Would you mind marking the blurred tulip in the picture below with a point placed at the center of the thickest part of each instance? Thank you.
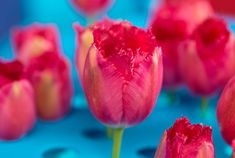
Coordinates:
(32, 41)
(50, 77)
(226, 110)
(17, 108)
(84, 42)
(91, 7)
(207, 58)
(122, 76)
(185, 140)
(172, 24)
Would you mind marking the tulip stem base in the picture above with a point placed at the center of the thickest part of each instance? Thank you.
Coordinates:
(204, 105)
(90, 20)
(117, 141)
(109, 132)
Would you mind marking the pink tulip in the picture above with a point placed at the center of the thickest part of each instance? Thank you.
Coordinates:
(225, 112)
(185, 140)
(122, 74)
(91, 7)
(207, 58)
(17, 108)
(50, 77)
(84, 42)
(34, 40)
(171, 25)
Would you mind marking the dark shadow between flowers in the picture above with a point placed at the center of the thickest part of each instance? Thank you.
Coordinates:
(147, 152)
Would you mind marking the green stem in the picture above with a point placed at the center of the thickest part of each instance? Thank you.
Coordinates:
(171, 96)
(109, 132)
(204, 105)
(90, 20)
(117, 141)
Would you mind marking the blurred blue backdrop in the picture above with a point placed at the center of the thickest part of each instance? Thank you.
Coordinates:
(79, 134)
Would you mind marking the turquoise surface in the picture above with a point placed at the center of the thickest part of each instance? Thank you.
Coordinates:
(79, 134)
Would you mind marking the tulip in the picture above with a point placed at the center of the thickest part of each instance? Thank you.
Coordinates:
(84, 42)
(122, 76)
(171, 25)
(17, 107)
(185, 140)
(207, 58)
(32, 41)
(90, 8)
(51, 80)
(225, 112)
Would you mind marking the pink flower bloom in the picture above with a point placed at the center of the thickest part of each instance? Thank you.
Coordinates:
(84, 42)
(90, 7)
(207, 58)
(225, 112)
(50, 77)
(122, 74)
(185, 140)
(34, 40)
(17, 108)
(172, 24)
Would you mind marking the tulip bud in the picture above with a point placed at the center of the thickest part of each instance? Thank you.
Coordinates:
(17, 108)
(226, 110)
(171, 25)
(184, 140)
(210, 53)
(122, 74)
(91, 7)
(34, 40)
(50, 77)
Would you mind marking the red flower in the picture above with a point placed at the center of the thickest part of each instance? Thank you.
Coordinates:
(207, 58)
(17, 108)
(185, 140)
(84, 42)
(122, 74)
(35, 40)
(172, 24)
(50, 77)
(225, 112)
(90, 7)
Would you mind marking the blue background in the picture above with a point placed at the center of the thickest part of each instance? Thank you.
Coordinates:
(79, 134)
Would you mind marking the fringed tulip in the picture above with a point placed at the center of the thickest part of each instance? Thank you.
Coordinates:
(226, 110)
(50, 77)
(185, 140)
(122, 76)
(17, 106)
(84, 42)
(207, 58)
(32, 41)
(172, 24)
(91, 7)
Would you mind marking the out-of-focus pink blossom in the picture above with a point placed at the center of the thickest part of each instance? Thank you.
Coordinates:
(207, 58)
(34, 40)
(51, 80)
(225, 112)
(17, 104)
(91, 7)
(171, 25)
